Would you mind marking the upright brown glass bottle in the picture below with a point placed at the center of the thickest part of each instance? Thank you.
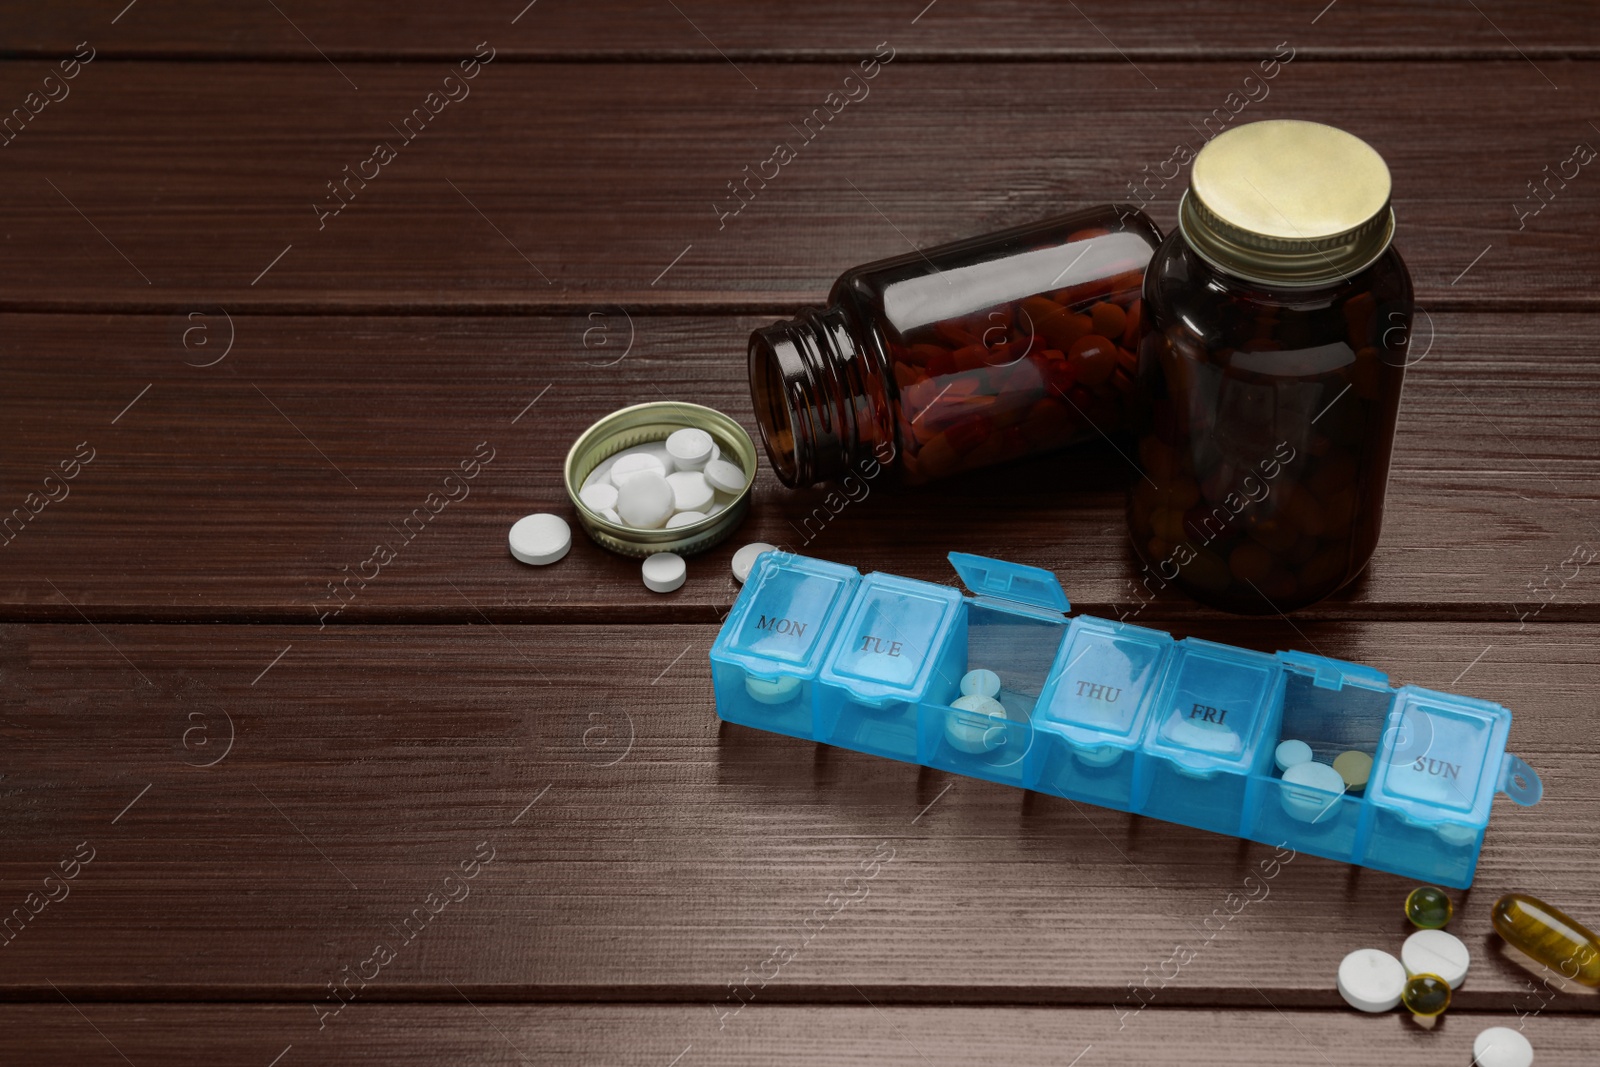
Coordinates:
(1275, 339)
(953, 358)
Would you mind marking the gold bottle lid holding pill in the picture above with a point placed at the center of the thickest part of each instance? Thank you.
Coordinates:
(1285, 202)
(644, 424)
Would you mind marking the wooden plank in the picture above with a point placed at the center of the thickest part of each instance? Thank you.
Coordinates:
(639, 851)
(210, 1034)
(220, 492)
(507, 200)
(708, 30)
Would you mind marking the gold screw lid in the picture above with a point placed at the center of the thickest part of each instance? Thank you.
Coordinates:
(1288, 202)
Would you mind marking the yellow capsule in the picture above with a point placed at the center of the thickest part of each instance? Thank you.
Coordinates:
(1550, 936)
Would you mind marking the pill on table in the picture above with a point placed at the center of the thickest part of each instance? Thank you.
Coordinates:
(1428, 908)
(1436, 952)
(684, 518)
(540, 539)
(1426, 995)
(745, 558)
(1501, 1046)
(779, 691)
(1549, 935)
(664, 572)
(610, 515)
(725, 476)
(599, 496)
(690, 448)
(1371, 980)
(1319, 790)
(983, 683)
(1291, 752)
(1354, 767)
(690, 491)
(645, 500)
(976, 724)
(633, 463)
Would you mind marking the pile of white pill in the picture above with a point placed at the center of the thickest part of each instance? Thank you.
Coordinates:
(977, 721)
(665, 484)
(1349, 771)
(659, 486)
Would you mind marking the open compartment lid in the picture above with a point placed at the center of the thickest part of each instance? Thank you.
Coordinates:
(1015, 582)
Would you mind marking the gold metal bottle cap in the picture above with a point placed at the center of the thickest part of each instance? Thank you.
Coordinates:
(1289, 203)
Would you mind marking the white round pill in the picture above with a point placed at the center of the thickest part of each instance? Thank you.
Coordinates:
(1289, 753)
(633, 463)
(599, 496)
(540, 539)
(1098, 755)
(690, 491)
(976, 724)
(983, 683)
(779, 691)
(645, 500)
(664, 572)
(745, 558)
(610, 515)
(1501, 1046)
(1314, 802)
(1371, 980)
(684, 518)
(1436, 952)
(725, 476)
(690, 448)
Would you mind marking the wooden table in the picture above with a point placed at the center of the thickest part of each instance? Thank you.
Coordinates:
(253, 388)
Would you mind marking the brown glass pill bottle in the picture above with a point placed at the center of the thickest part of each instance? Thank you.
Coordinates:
(1273, 347)
(972, 353)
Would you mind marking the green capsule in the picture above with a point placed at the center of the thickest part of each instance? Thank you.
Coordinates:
(1428, 908)
(1426, 995)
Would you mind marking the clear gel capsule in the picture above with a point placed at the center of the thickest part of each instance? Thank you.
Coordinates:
(1550, 936)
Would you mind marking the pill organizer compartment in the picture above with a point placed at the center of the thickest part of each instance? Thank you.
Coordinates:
(902, 642)
(1217, 706)
(765, 660)
(1092, 713)
(1440, 764)
(1014, 625)
(1334, 707)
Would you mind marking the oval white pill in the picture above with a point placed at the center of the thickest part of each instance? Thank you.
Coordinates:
(540, 539)
(780, 691)
(1501, 1046)
(645, 500)
(976, 724)
(1289, 753)
(633, 463)
(1317, 802)
(1436, 952)
(690, 448)
(599, 496)
(684, 518)
(745, 558)
(1371, 980)
(983, 683)
(725, 476)
(664, 572)
(690, 491)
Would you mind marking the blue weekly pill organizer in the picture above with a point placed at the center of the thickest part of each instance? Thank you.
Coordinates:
(1114, 714)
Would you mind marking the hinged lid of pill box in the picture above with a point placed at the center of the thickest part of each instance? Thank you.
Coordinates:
(1335, 673)
(1442, 758)
(784, 619)
(1014, 583)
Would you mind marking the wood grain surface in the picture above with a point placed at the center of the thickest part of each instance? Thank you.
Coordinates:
(514, 779)
(642, 850)
(238, 491)
(859, 1035)
(554, 185)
